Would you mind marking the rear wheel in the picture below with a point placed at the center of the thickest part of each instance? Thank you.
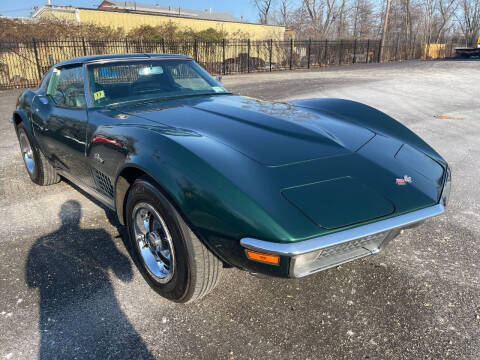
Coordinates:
(170, 257)
(38, 167)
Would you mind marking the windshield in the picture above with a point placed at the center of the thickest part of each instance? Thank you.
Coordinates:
(125, 81)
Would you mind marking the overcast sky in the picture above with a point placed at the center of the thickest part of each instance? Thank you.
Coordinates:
(237, 8)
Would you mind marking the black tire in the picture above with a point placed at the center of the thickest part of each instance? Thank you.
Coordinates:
(42, 172)
(196, 269)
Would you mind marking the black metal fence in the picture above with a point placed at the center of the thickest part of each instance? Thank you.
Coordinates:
(23, 63)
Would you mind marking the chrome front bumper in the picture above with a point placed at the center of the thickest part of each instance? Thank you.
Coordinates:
(320, 253)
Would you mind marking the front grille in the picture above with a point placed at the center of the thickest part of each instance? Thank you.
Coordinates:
(341, 253)
(369, 243)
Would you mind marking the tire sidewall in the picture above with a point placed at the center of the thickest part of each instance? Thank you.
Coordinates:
(36, 158)
(177, 288)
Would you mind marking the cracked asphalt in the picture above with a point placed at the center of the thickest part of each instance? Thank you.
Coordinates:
(68, 289)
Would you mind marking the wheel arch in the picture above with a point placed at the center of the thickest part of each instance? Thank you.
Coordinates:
(125, 179)
(20, 117)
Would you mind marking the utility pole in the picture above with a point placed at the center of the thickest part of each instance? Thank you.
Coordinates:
(384, 33)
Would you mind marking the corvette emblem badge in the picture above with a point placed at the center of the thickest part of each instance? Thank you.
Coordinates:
(403, 181)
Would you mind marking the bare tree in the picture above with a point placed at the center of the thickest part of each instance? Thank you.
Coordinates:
(447, 9)
(321, 14)
(412, 26)
(285, 12)
(263, 9)
(385, 28)
(361, 19)
(408, 25)
(469, 19)
(341, 20)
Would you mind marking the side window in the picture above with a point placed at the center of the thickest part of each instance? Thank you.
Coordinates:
(65, 87)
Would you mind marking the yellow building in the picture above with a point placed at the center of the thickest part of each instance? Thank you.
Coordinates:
(128, 15)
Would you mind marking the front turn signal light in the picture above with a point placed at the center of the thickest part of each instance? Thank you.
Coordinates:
(262, 257)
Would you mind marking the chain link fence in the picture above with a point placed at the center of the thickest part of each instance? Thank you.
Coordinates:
(23, 63)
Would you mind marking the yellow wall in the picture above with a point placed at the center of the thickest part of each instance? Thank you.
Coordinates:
(129, 21)
(434, 51)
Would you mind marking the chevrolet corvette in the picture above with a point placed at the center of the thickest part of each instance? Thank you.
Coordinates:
(204, 179)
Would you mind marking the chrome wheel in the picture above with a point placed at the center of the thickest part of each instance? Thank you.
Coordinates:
(154, 242)
(27, 151)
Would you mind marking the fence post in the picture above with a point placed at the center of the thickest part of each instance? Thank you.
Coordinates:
(223, 57)
(325, 54)
(340, 51)
(84, 47)
(271, 51)
(354, 60)
(379, 52)
(126, 45)
(291, 53)
(309, 52)
(195, 50)
(163, 45)
(39, 70)
(248, 55)
(368, 49)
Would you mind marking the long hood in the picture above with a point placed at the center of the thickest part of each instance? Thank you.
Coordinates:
(329, 168)
(273, 134)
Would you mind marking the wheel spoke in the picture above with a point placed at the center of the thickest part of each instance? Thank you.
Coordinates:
(146, 225)
(154, 242)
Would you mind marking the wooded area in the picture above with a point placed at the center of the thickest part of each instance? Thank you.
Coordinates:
(410, 21)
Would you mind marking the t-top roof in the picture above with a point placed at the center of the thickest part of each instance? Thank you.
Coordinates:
(112, 57)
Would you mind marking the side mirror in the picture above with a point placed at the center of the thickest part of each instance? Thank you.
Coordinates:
(219, 78)
(43, 99)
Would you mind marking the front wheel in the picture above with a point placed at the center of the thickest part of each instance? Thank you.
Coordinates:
(38, 167)
(173, 261)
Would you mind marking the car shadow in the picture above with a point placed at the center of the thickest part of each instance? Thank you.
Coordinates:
(71, 269)
(109, 214)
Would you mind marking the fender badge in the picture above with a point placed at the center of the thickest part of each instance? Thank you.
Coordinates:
(403, 181)
(98, 158)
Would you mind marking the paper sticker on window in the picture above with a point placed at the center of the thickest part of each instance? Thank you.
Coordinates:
(218, 89)
(99, 95)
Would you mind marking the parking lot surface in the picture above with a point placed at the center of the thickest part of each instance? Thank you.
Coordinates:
(69, 290)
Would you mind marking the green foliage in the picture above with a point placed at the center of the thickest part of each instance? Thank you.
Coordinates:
(14, 30)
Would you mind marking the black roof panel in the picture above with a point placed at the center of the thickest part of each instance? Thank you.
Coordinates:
(95, 58)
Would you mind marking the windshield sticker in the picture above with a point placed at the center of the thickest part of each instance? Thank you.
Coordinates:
(99, 95)
(218, 89)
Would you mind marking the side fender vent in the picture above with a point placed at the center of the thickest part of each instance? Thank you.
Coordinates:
(103, 182)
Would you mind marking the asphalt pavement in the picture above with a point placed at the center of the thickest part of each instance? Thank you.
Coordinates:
(69, 290)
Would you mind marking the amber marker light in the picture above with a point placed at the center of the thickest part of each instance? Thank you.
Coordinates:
(265, 258)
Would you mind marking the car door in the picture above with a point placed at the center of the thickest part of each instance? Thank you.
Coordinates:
(60, 121)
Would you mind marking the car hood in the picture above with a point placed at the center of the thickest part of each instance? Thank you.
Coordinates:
(273, 134)
(331, 169)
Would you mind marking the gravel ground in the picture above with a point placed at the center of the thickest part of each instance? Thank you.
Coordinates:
(69, 290)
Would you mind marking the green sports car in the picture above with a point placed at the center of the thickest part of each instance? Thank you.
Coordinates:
(205, 179)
